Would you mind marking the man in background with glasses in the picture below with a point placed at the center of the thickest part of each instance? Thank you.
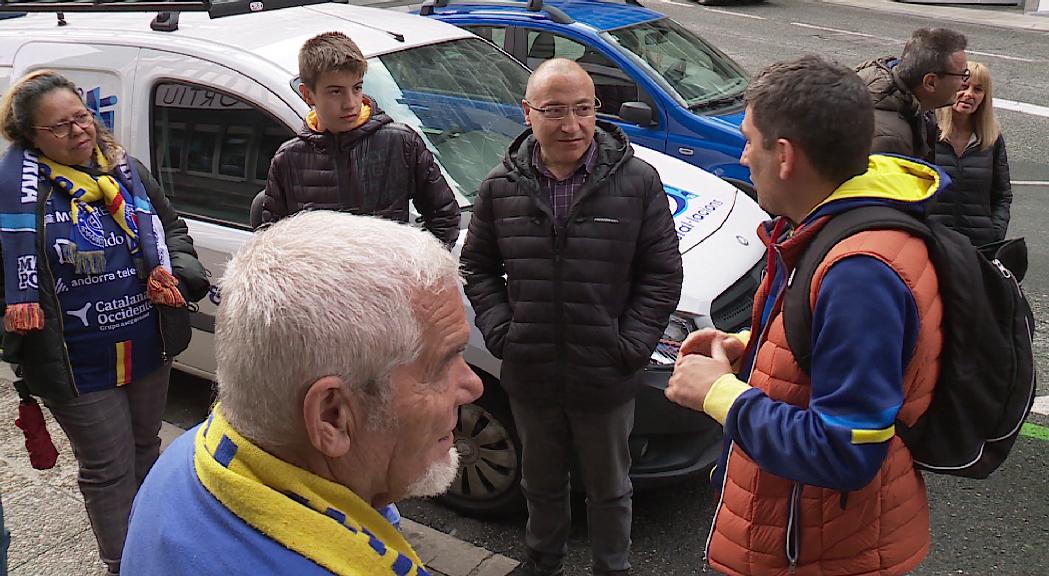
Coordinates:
(572, 267)
(907, 89)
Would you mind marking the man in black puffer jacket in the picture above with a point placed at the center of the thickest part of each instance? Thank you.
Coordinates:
(352, 157)
(573, 270)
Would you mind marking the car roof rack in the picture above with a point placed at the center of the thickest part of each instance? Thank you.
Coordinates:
(167, 11)
(555, 14)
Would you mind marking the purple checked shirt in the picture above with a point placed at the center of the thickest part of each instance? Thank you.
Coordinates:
(563, 191)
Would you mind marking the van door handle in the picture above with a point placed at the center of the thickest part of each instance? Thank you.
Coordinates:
(685, 151)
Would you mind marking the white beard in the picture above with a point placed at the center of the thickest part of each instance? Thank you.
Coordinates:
(437, 477)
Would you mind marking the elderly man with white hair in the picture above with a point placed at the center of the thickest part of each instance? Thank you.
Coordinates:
(340, 374)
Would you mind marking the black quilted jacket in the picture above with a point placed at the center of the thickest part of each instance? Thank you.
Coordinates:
(582, 305)
(978, 199)
(374, 169)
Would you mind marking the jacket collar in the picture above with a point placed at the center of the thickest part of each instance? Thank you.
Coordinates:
(904, 183)
(613, 150)
(324, 140)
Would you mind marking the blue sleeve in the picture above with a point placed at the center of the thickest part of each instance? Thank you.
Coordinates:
(864, 330)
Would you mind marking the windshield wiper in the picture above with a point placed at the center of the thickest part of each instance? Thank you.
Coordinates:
(716, 102)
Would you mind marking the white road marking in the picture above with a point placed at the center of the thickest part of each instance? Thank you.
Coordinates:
(1041, 405)
(1002, 56)
(898, 41)
(840, 31)
(1024, 107)
(1030, 182)
(731, 13)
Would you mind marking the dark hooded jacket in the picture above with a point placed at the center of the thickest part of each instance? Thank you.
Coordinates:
(977, 201)
(575, 309)
(374, 169)
(900, 127)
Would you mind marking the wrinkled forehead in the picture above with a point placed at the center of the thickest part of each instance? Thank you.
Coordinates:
(562, 88)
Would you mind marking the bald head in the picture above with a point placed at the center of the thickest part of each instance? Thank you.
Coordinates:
(556, 70)
(559, 105)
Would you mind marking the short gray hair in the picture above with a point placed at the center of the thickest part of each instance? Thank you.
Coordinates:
(928, 51)
(320, 294)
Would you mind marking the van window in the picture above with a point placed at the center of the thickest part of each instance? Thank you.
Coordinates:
(211, 150)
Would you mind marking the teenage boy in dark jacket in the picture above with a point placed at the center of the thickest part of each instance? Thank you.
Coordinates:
(350, 156)
(573, 270)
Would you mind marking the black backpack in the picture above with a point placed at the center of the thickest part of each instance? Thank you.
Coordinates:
(987, 377)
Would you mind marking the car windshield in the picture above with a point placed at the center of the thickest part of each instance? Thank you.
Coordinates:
(463, 96)
(699, 75)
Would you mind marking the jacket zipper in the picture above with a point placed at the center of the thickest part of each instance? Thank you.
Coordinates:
(728, 456)
(45, 268)
(793, 543)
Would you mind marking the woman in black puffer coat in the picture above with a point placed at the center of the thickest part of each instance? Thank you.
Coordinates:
(972, 152)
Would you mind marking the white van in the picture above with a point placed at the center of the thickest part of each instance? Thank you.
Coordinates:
(206, 102)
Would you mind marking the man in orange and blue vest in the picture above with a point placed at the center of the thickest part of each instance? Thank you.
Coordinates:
(813, 479)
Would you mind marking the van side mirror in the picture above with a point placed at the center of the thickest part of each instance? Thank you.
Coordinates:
(636, 113)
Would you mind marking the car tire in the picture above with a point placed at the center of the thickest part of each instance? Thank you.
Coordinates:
(489, 478)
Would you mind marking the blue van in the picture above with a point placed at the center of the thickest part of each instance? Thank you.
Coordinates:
(668, 89)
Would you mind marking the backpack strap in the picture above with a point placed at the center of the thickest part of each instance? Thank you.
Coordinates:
(797, 307)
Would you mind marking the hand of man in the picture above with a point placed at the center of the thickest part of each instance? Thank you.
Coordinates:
(699, 342)
(694, 374)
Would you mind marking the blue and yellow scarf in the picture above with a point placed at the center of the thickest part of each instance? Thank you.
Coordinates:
(21, 173)
(314, 517)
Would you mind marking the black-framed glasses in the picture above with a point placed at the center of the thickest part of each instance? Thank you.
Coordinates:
(964, 75)
(82, 119)
(560, 111)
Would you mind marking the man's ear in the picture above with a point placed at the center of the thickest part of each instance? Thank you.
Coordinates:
(929, 82)
(786, 156)
(328, 417)
(526, 108)
(307, 94)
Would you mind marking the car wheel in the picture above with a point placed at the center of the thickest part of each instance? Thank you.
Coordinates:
(489, 479)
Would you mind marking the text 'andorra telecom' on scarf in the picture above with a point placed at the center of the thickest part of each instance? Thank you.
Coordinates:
(21, 219)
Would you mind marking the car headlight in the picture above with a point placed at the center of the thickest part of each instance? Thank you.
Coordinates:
(680, 326)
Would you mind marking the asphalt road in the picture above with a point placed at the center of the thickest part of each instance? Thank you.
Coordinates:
(997, 526)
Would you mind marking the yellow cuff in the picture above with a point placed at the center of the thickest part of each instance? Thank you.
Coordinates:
(722, 395)
(744, 337)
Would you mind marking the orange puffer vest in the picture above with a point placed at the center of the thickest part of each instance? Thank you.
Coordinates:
(763, 521)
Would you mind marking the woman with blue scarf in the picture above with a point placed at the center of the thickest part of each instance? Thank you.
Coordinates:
(98, 268)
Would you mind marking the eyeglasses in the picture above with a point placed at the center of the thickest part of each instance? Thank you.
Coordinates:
(964, 75)
(82, 119)
(560, 111)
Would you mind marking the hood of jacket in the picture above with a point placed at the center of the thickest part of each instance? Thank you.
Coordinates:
(903, 183)
(613, 150)
(887, 91)
(375, 120)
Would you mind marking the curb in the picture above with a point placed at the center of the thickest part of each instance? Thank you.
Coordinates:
(952, 13)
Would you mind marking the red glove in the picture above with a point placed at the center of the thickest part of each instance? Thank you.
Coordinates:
(42, 452)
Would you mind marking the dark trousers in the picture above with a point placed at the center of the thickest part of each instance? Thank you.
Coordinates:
(114, 434)
(552, 437)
